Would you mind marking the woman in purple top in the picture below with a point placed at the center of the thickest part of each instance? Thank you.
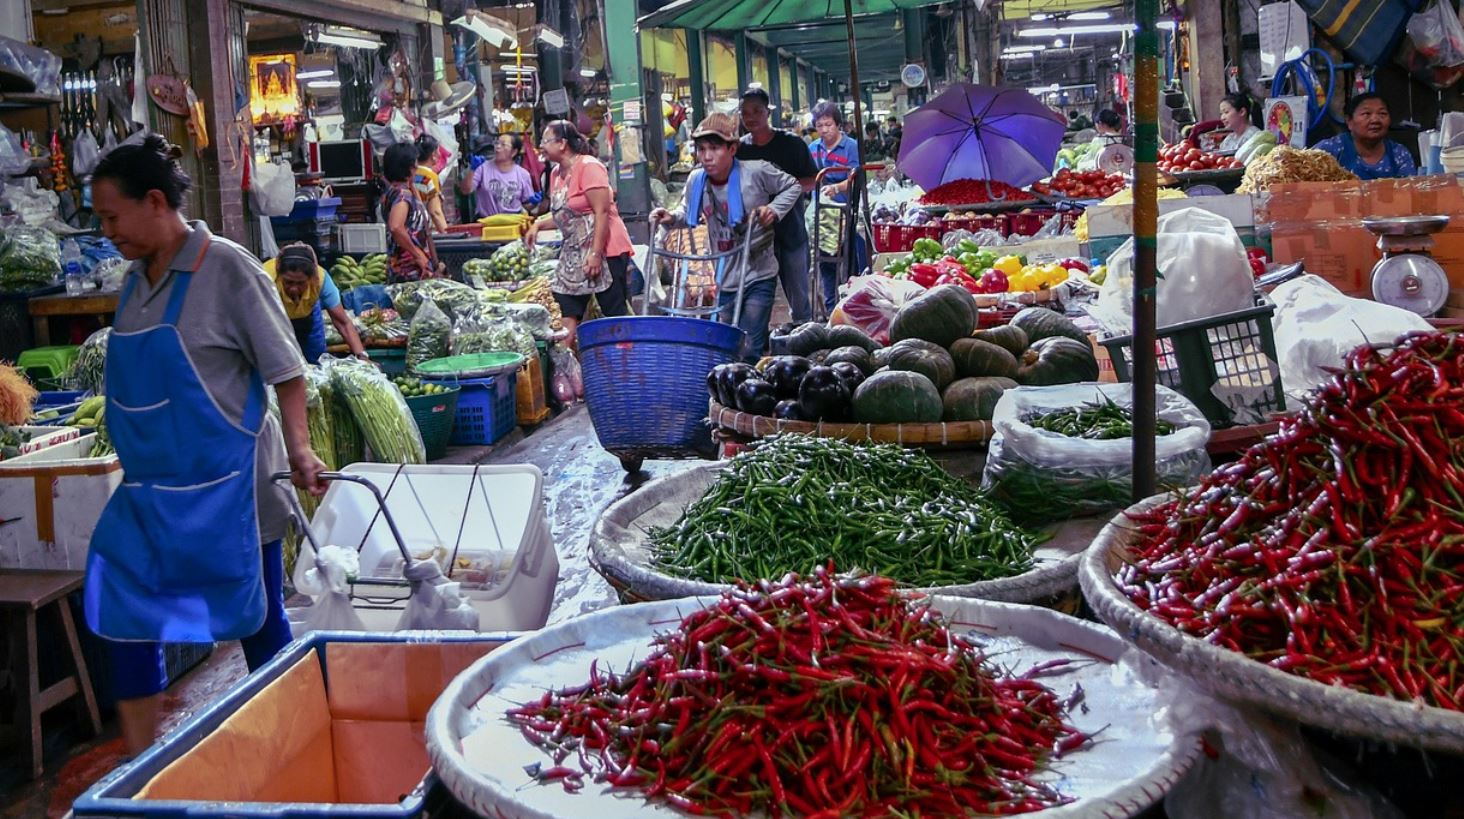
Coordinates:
(501, 185)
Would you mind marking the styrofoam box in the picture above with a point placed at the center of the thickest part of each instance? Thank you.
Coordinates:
(1118, 220)
(365, 238)
(505, 560)
(55, 496)
(42, 437)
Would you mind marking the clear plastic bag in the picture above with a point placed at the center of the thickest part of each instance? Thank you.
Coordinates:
(568, 381)
(872, 303)
(88, 372)
(1437, 37)
(37, 65)
(14, 161)
(430, 336)
(455, 298)
(85, 154)
(1043, 476)
(326, 578)
(30, 257)
(380, 411)
(489, 334)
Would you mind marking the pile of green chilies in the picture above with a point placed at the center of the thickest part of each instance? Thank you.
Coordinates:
(1094, 421)
(796, 502)
(826, 697)
(1334, 549)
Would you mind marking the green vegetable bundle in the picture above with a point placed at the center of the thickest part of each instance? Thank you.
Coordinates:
(11, 440)
(102, 445)
(29, 258)
(1095, 421)
(380, 411)
(454, 298)
(347, 443)
(88, 373)
(317, 416)
(795, 502)
(430, 336)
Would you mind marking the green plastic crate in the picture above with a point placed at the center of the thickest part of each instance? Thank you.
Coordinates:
(391, 360)
(45, 366)
(434, 416)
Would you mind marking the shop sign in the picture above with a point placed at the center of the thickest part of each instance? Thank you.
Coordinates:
(556, 101)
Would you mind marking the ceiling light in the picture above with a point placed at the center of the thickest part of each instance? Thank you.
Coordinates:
(1042, 89)
(516, 69)
(323, 84)
(1023, 49)
(1053, 31)
(550, 37)
(1058, 43)
(588, 72)
(1039, 17)
(347, 41)
(1089, 15)
(316, 74)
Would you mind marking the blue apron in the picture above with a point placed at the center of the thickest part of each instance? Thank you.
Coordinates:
(176, 555)
(1352, 161)
(310, 334)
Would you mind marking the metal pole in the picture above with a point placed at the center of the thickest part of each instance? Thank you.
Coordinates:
(1146, 223)
(854, 70)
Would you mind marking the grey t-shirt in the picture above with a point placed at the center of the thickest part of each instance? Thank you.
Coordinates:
(762, 184)
(232, 324)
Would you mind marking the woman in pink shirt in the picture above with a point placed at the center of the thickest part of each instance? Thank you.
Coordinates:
(596, 251)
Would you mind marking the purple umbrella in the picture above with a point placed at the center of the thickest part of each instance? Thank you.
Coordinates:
(979, 132)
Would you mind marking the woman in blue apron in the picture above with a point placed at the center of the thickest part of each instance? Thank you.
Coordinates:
(309, 295)
(188, 548)
(1365, 148)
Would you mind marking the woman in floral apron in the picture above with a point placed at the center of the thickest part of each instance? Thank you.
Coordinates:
(596, 252)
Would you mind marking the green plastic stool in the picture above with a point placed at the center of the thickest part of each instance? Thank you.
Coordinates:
(44, 366)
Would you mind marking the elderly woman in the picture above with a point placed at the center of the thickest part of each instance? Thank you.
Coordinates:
(1365, 149)
(596, 253)
(309, 295)
(188, 548)
(410, 253)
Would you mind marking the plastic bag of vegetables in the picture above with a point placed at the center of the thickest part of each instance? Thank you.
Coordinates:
(430, 336)
(317, 416)
(379, 410)
(88, 373)
(532, 317)
(1068, 450)
(29, 258)
(450, 296)
(488, 334)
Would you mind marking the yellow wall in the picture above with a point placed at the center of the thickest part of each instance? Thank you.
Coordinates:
(721, 69)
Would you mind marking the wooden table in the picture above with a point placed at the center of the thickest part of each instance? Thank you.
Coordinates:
(43, 308)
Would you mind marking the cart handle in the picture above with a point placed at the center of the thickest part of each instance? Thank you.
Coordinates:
(349, 478)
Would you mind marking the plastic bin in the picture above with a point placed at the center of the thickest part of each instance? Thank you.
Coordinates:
(531, 404)
(456, 253)
(330, 728)
(366, 238)
(45, 366)
(486, 409)
(55, 497)
(392, 360)
(505, 554)
(434, 415)
(363, 297)
(894, 238)
(323, 208)
(1236, 351)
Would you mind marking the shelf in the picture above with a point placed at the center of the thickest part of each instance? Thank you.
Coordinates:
(13, 101)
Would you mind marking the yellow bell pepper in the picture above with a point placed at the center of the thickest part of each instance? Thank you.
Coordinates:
(1010, 265)
(1051, 275)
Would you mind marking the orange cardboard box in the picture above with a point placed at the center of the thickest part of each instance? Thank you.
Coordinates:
(1320, 224)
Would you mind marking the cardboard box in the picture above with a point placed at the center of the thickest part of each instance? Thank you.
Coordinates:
(1320, 224)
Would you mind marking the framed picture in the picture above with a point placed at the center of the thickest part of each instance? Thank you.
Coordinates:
(274, 91)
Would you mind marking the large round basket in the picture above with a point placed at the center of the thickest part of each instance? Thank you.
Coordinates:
(620, 549)
(481, 757)
(1240, 679)
(954, 435)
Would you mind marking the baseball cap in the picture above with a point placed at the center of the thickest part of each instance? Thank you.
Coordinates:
(719, 125)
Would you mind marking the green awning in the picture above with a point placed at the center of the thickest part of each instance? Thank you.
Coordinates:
(752, 15)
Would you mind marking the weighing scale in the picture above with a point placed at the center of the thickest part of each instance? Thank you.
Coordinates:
(1116, 158)
(1407, 276)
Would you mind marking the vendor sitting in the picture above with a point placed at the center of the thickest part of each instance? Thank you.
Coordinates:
(1366, 150)
(306, 288)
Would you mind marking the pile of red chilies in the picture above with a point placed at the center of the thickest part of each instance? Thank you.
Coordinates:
(1334, 549)
(974, 192)
(826, 697)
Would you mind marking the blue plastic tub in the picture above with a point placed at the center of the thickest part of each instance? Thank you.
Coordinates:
(645, 382)
(487, 408)
(323, 209)
(364, 297)
(351, 706)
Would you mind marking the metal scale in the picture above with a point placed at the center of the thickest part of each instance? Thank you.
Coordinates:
(1407, 276)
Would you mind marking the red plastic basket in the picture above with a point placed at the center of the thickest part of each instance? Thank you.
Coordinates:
(1028, 223)
(893, 238)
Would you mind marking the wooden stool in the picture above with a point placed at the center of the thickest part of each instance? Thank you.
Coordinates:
(23, 594)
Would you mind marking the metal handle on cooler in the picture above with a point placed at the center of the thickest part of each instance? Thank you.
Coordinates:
(349, 478)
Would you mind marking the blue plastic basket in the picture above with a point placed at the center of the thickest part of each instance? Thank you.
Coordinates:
(645, 382)
(116, 794)
(366, 296)
(486, 408)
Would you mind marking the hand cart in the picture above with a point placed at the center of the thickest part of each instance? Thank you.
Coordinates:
(645, 376)
(843, 257)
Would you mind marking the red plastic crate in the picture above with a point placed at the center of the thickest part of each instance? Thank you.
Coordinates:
(1027, 224)
(892, 238)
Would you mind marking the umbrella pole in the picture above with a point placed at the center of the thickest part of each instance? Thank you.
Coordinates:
(1146, 223)
(856, 190)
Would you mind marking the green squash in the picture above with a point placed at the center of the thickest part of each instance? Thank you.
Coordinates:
(844, 335)
(931, 361)
(897, 397)
(974, 399)
(1058, 360)
(1039, 323)
(979, 359)
(808, 339)
(940, 315)
(1009, 337)
(881, 357)
(858, 356)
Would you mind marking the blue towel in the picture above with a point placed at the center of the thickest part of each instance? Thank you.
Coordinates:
(696, 187)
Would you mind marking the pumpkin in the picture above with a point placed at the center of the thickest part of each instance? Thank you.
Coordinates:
(1009, 337)
(974, 399)
(897, 397)
(940, 316)
(975, 358)
(808, 339)
(881, 357)
(1039, 323)
(844, 335)
(1057, 360)
(858, 356)
(930, 360)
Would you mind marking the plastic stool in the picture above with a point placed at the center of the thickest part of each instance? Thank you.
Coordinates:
(24, 594)
(47, 362)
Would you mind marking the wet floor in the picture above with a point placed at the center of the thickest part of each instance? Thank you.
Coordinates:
(580, 480)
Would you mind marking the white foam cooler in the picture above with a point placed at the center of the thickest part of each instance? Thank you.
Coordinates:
(51, 499)
(505, 557)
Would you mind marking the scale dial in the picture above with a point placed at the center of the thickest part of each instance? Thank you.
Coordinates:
(1412, 282)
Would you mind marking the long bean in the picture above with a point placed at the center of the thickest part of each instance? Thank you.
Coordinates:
(796, 502)
(1105, 421)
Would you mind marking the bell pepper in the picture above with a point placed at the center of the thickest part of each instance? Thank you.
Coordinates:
(960, 280)
(927, 250)
(1074, 264)
(971, 261)
(924, 274)
(993, 281)
(1051, 275)
(1010, 265)
(967, 246)
(951, 264)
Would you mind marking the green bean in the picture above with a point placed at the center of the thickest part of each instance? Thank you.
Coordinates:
(1105, 421)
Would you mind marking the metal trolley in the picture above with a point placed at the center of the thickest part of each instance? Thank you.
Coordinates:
(843, 257)
(645, 376)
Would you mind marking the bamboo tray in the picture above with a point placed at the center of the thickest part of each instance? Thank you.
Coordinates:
(954, 435)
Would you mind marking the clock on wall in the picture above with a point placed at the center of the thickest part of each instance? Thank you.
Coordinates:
(913, 75)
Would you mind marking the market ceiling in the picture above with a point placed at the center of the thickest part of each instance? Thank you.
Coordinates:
(1022, 9)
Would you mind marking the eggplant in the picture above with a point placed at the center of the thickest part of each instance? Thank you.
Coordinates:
(732, 376)
(756, 396)
(849, 373)
(785, 372)
(823, 396)
(788, 410)
(714, 384)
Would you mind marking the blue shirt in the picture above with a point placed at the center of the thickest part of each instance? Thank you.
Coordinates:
(330, 295)
(843, 155)
(1396, 161)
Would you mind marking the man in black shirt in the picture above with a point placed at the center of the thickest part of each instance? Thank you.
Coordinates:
(790, 155)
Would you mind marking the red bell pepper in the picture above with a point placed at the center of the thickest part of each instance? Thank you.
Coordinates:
(993, 281)
(960, 280)
(1074, 264)
(924, 274)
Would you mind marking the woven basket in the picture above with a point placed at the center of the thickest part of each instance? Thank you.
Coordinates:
(620, 549)
(1240, 679)
(954, 435)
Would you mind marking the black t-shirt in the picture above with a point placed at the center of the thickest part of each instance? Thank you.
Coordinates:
(785, 151)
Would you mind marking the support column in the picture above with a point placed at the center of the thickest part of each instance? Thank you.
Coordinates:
(696, 50)
(1207, 57)
(631, 176)
(794, 81)
(914, 30)
(213, 51)
(775, 80)
(743, 54)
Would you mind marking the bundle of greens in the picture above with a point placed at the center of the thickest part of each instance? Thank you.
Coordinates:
(430, 336)
(380, 411)
(29, 258)
(89, 372)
